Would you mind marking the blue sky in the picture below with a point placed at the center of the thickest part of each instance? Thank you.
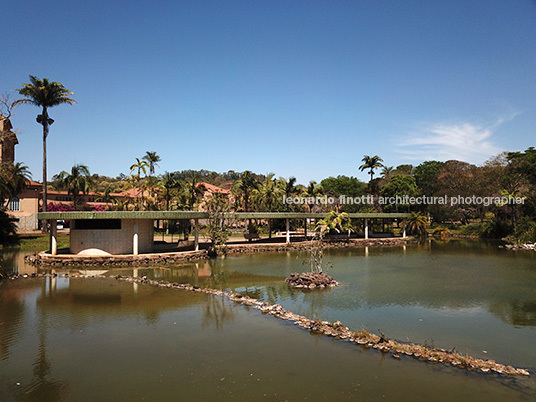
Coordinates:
(303, 88)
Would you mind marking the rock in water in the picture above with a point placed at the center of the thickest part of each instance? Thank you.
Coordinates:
(311, 280)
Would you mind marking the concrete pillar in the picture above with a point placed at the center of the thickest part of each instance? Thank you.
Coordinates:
(366, 228)
(135, 240)
(305, 227)
(269, 228)
(404, 228)
(196, 242)
(288, 230)
(53, 237)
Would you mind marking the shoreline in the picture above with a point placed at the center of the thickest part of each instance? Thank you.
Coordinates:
(44, 258)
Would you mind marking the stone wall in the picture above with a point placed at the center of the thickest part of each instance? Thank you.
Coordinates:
(114, 241)
(26, 223)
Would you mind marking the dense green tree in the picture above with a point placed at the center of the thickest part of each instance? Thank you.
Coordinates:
(349, 187)
(404, 169)
(44, 94)
(400, 186)
(426, 176)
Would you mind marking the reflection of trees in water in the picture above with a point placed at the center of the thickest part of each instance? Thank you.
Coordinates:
(11, 314)
(42, 387)
(217, 280)
(217, 311)
(8, 262)
(522, 313)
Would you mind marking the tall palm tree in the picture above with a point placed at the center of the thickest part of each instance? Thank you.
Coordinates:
(290, 188)
(244, 187)
(168, 184)
(152, 159)
(139, 166)
(371, 162)
(76, 182)
(313, 190)
(267, 193)
(45, 94)
(194, 191)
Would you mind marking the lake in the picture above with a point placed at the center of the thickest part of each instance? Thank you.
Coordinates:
(88, 339)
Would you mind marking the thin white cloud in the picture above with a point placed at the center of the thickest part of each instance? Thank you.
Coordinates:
(467, 142)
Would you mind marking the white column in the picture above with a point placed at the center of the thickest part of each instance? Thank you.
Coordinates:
(54, 237)
(288, 230)
(196, 225)
(135, 247)
(366, 228)
(404, 228)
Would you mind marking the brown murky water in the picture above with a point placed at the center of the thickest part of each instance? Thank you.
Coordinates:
(101, 339)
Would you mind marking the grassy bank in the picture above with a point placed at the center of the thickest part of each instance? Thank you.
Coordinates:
(40, 242)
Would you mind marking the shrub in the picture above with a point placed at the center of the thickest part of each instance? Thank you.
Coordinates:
(441, 232)
(526, 230)
(495, 229)
(8, 230)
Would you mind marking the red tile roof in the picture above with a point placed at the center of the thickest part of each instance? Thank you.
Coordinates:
(212, 188)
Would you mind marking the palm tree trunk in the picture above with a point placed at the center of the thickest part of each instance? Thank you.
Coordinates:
(45, 135)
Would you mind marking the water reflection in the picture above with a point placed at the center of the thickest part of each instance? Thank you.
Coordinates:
(517, 313)
(43, 387)
(11, 315)
(217, 311)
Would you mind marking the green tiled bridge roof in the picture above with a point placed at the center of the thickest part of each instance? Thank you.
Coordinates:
(205, 215)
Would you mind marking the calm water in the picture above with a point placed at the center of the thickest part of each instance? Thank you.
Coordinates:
(101, 339)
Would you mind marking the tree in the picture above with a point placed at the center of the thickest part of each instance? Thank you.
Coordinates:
(371, 162)
(13, 181)
(194, 190)
(334, 222)
(267, 193)
(387, 170)
(44, 94)
(290, 187)
(426, 176)
(169, 184)
(244, 187)
(139, 166)
(217, 226)
(312, 191)
(346, 186)
(8, 230)
(416, 224)
(399, 186)
(152, 159)
(76, 182)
